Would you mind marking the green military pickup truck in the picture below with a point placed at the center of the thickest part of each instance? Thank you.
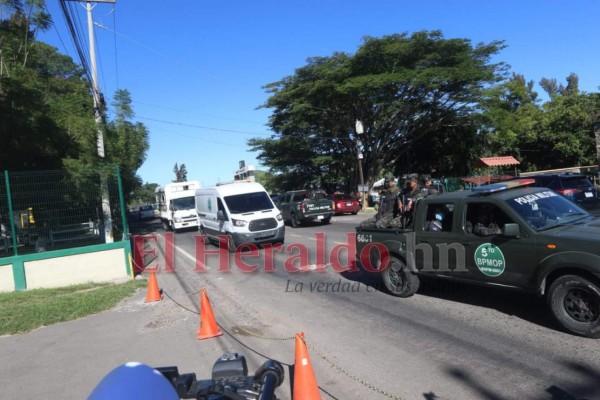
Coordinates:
(300, 206)
(506, 235)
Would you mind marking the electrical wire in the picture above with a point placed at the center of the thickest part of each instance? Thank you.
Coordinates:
(204, 127)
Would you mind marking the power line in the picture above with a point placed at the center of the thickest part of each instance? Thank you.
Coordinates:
(195, 113)
(204, 140)
(204, 127)
(157, 52)
(75, 37)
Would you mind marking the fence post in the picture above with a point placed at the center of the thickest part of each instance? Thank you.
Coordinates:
(122, 204)
(125, 237)
(11, 217)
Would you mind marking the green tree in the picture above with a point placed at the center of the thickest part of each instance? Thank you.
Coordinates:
(555, 134)
(43, 99)
(145, 194)
(127, 142)
(566, 135)
(405, 90)
(512, 118)
(180, 173)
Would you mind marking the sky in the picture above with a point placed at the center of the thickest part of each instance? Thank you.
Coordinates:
(196, 69)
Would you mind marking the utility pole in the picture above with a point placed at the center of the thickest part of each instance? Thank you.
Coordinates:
(597, 134)
(98, 110)
(359, 131)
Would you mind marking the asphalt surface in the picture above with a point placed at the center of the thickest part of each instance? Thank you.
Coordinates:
(68, 360)
(443, 343)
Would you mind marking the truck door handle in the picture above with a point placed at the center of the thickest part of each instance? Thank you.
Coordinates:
(202, 214)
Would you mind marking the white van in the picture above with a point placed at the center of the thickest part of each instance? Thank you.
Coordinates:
(243, 211)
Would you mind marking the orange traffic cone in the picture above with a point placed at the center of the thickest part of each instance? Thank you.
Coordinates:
(305, 383)
(153, 293)
(208, 324)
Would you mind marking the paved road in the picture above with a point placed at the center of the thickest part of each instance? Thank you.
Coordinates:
(445, 342)
(450, 342)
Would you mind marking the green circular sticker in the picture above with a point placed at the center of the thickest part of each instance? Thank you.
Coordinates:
(490, 260)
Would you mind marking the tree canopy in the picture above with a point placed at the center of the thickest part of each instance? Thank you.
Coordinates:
(428, 105)
(412, 93)
(46, 107)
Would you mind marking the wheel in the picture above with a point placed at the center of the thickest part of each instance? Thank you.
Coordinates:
(231, 246)
(354, 212)
(398, 279)
(165, 225)
(202, 232)
(295, 222)
(325, 221)
(575, 304)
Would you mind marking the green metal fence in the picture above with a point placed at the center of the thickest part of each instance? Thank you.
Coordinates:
(51, 210)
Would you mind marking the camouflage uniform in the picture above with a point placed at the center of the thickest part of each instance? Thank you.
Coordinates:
(409, 198)
(388, 208)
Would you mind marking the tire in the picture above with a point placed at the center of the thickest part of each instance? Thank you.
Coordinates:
(165, 225)
(326, 221)
(295, 223)
(398, 279)
(575, 304)
(355, 212)
(202, 232)
(231, 245)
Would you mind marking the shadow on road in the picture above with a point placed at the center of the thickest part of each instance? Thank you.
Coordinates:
(558, 391)
(525, 306)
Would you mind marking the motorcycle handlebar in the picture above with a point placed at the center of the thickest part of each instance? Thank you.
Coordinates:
(229, 380)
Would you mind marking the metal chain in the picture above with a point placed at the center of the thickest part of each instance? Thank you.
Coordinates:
(240, 328)
(352, 376)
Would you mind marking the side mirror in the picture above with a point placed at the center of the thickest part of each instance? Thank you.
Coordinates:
(220, 215)
(511, 230)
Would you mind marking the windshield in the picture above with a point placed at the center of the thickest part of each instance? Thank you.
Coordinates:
(183, 203)
(577, 183)
(544, 210)
(248, 202)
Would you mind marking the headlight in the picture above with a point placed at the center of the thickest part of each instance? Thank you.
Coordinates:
(238, 222)
(279, 217)
(178, 220)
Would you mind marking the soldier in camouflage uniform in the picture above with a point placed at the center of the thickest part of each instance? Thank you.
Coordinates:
(389, 206)
(411, 194)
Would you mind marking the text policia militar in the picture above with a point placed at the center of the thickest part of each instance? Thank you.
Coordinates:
(248, 257)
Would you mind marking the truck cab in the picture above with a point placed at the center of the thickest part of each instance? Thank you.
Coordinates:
(301, 206)
(176, 205)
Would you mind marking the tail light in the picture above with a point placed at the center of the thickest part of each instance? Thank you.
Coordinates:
(302, 208)
(333, 204)
(568, 192)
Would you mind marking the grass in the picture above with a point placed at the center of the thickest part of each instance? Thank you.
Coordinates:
(25, 311)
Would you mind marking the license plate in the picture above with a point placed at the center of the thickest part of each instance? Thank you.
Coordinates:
(320, 217)
(589, 194)
(349, 204)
